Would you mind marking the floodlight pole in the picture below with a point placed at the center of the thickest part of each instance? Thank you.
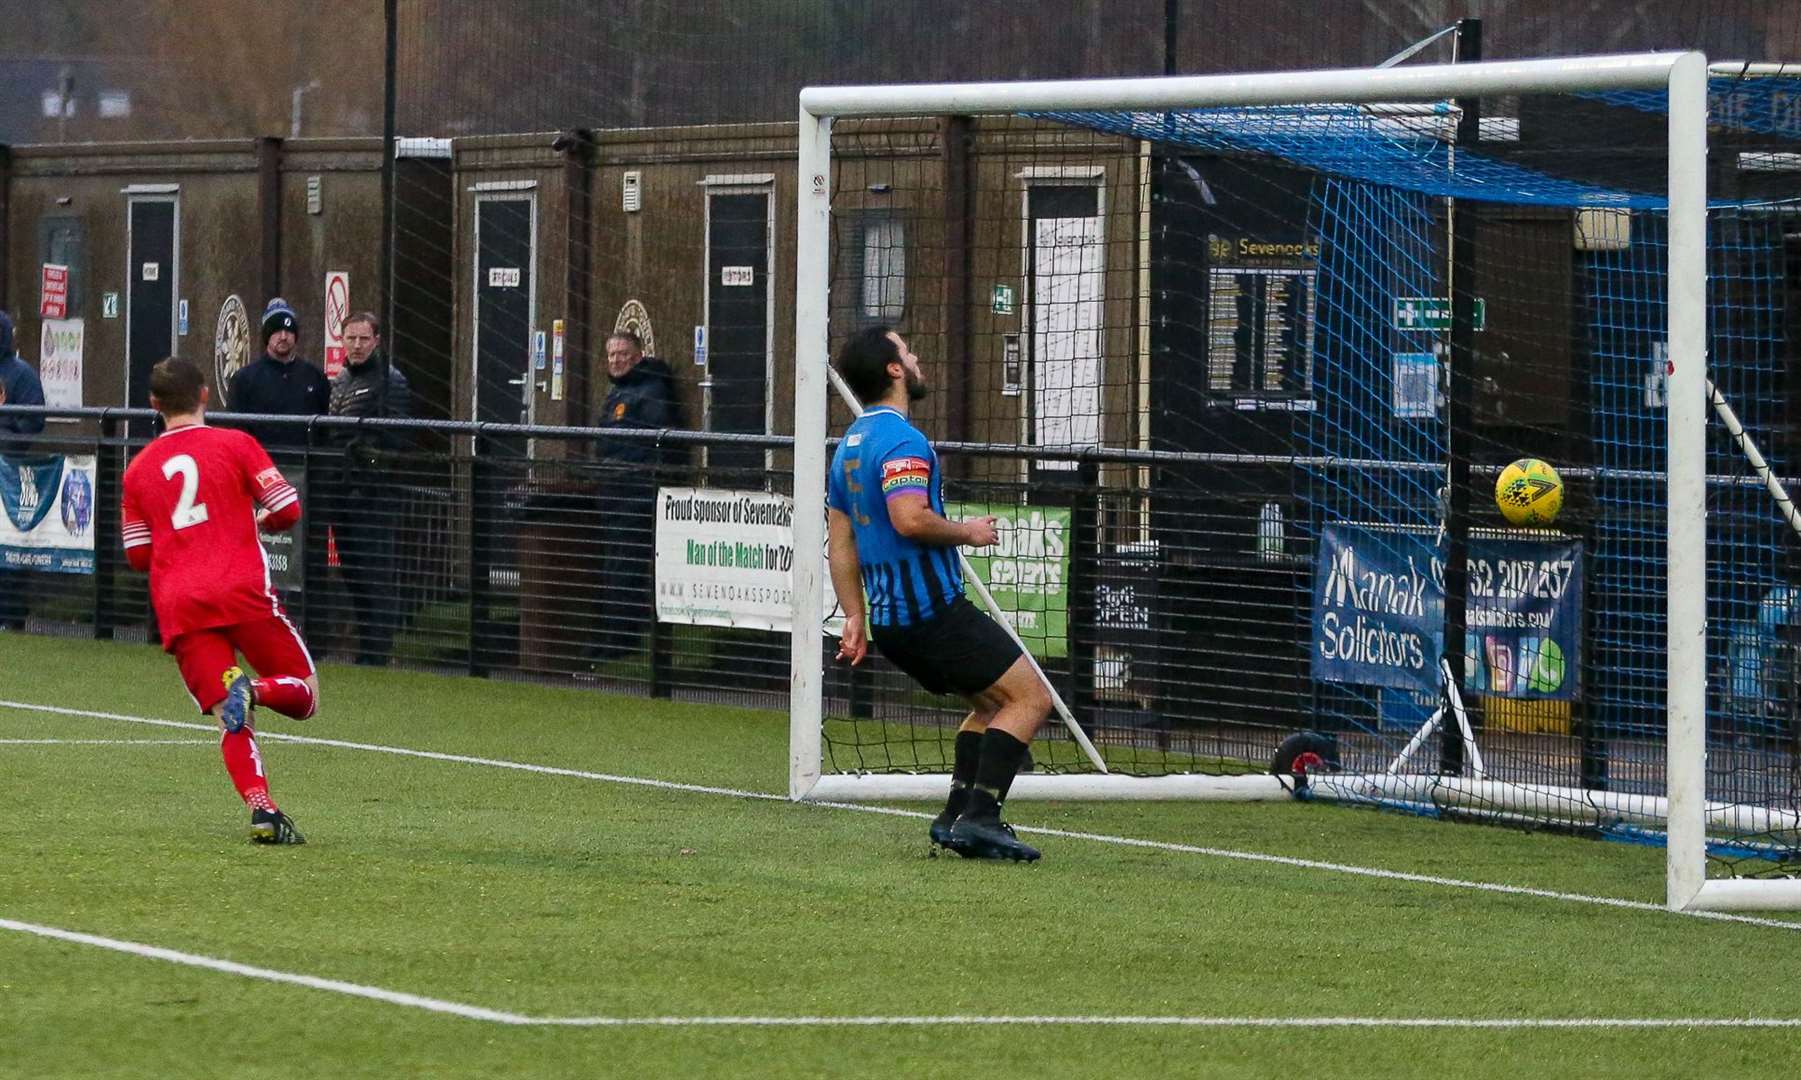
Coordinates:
(390, 91)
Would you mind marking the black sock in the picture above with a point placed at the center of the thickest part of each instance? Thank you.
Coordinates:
(963, 771)
(1001, 755)
(983, 806)
(969, 757)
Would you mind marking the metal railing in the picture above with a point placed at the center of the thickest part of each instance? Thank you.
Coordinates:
(491, 549)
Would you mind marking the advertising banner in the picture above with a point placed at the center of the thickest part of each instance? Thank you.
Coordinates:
(59, 362)
(1378, 613)
(48, 523)
(286, 551)
(1523, 631)
(1026, 571)
(725, 558)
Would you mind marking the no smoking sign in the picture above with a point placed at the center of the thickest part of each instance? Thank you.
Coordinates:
(337, 309)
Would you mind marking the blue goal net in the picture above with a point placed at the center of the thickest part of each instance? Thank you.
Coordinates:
(1345, 423)
(1561, 670)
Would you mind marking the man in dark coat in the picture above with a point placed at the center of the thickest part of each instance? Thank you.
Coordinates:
(19, 385)
(363, 506)
(643, 395)
(279, 382)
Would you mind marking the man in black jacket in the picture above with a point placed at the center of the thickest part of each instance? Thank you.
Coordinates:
(363, 506)
(279, 382)
(19, 385)
(643, 395)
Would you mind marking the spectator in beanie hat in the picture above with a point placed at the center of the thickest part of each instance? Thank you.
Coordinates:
(279, 382)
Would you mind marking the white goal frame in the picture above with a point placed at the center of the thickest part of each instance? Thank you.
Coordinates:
(1682, 74)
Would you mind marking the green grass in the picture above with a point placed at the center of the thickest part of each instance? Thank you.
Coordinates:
(560, 896)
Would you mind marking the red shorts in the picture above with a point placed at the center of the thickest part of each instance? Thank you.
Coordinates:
(270, 646)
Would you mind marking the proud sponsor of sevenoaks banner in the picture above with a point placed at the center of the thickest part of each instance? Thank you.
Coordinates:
(725, 558)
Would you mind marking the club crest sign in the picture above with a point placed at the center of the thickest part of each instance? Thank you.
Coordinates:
(231, 344)
(636, 318)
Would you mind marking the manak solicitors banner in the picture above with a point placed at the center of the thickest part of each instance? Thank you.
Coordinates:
(48, 518)
(1378, 613)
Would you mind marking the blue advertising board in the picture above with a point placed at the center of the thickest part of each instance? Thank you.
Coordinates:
(1524, 621)
(47, 514)
(1378, 613)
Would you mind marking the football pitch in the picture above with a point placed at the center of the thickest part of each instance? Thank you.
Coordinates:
(516, 880)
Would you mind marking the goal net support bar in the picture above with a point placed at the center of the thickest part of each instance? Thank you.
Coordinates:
(1075, 787)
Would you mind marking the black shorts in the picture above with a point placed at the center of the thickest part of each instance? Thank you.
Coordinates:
(962, 651)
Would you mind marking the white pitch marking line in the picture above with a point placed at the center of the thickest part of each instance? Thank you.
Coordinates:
(336, 986)
(1169, 1021)
(1101, 838)
(106, 742)
(497, 1016)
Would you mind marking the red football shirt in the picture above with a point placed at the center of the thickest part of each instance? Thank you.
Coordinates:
(192, 496)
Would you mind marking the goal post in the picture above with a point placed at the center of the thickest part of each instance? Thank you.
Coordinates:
(1684, 694)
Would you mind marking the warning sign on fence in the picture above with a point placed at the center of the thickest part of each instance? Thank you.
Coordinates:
(53, 300)
(337, 309)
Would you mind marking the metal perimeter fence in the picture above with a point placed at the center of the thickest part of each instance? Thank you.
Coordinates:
(1168, 596)
(486, 549)
(514, 551)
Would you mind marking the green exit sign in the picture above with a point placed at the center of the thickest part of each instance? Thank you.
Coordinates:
(1430, 313)
(1002, 303)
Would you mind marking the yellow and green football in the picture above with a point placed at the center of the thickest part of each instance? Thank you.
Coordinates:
(1529, 492)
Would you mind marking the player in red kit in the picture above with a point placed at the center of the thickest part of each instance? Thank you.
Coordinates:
(193, 500)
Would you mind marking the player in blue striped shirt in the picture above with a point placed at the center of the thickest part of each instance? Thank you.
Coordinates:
(888, 535)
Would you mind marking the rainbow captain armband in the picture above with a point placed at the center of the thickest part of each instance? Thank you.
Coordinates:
(906, 475)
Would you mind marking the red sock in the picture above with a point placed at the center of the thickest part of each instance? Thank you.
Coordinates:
(286, 695)
(245, 764)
